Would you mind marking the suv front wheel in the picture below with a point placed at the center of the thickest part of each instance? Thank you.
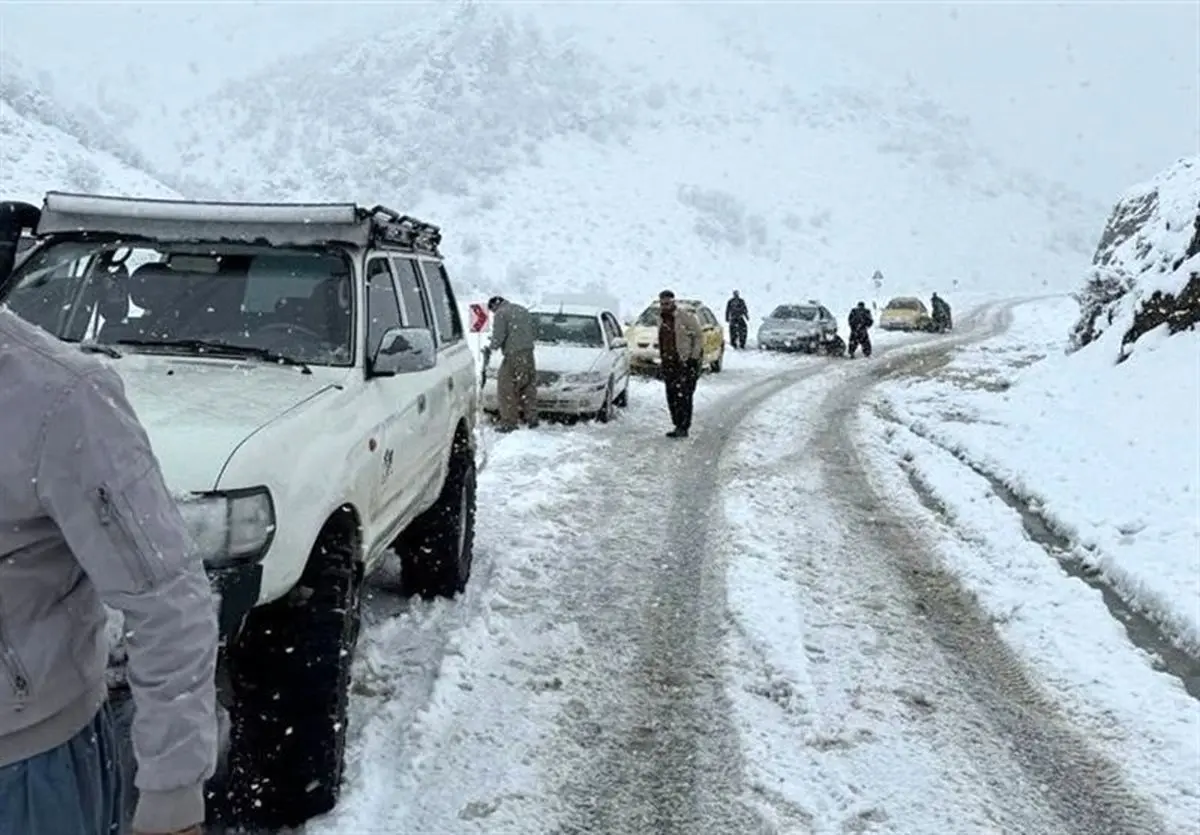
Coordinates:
(290, 675)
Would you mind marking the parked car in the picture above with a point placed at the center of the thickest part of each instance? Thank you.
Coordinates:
(642, 335)
(905, 313)
(303, 375)
(582, 362)
(797, 327)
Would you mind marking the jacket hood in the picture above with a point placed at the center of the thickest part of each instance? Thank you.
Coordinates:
(197, 412)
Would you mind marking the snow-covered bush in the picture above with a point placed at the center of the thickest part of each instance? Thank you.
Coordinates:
(1146, 270)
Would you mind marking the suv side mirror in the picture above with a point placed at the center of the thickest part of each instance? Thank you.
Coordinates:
(14, 218)
(617, 342)
(403, 351)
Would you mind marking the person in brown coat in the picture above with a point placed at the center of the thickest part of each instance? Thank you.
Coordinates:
(681, 347)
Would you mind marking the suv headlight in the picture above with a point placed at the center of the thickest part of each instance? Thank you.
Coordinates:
(230, 527)
(585, 377)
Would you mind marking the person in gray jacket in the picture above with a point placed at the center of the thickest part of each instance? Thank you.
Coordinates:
(85, 520)
(514, 333)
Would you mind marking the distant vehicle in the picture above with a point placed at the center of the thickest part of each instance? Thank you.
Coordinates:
(905, 313)
(642, 334)
(797, 327)
(303, 375)
(582, 362)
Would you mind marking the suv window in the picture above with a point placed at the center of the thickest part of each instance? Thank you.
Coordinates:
(412, 294)
(294, 302)
(707, 319)
(441, 297)
(383, 312)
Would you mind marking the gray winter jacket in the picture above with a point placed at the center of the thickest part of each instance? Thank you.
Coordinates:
(513, 330)
(86, 520)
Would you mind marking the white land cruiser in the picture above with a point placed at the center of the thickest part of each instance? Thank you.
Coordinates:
(304, 378)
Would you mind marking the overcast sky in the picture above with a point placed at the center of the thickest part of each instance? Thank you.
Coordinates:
(1096, 95)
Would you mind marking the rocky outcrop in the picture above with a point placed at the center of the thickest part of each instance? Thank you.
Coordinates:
(1146, 270)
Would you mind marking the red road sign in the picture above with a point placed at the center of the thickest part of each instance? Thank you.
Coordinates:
(479, 318)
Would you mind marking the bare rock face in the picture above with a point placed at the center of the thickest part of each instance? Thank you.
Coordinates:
(1146, 270)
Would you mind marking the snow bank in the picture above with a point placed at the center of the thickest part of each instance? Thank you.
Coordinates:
(1109, 454)
(1144, 273)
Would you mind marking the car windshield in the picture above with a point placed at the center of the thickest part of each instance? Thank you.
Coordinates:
(794, 311)
(650, 317)
(904, 304)
(559, 328)
(293, 303)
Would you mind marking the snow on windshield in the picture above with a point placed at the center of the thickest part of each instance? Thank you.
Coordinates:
(792, 311)
(292, 302)
(556, 328)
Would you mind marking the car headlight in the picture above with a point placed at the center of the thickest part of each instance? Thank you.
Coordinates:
(230, 527)
(585, 377)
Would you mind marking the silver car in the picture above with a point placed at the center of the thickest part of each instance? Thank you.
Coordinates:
(797, 327)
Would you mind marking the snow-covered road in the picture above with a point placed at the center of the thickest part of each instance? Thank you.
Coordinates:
(734, 634)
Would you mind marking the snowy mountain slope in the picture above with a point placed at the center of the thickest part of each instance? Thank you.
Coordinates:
(568, 147)
(36, 157)
(1145, 270)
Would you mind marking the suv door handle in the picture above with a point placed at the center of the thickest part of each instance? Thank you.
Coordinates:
(420, 403)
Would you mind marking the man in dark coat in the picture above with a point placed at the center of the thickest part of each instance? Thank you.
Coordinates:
(681, 348)
(860, 322)
(737, 316)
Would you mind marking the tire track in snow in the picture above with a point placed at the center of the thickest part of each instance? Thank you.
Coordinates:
(652, 727)
(1085, 790)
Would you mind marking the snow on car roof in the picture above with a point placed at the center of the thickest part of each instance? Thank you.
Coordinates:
(569, 309)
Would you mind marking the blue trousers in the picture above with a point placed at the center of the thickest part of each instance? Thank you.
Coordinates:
(74, 789)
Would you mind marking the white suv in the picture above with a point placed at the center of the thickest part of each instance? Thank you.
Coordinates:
(303, 375)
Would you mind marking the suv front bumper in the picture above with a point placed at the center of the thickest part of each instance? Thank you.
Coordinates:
(236, 588)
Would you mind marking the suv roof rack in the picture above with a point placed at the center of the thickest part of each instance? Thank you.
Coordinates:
(277, 224)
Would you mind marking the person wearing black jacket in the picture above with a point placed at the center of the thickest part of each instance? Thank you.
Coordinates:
(860, 322)
(737, 316)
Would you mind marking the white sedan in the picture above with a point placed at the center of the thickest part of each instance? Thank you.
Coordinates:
(582, 362)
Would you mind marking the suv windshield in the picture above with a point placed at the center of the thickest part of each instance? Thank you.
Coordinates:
(294, 303)
(650, 317)
(794, 311)
(569, 329)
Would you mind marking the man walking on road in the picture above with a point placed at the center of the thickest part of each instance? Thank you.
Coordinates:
(737, 315)
(514, 334)
(681, 347)
(88, 520)
(860, 322)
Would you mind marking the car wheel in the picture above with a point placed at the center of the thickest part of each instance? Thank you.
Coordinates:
(716, 364)
(290, 678)
(438, 548)
(608, 410)
(622, 400)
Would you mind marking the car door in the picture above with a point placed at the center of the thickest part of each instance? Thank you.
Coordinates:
(620, 354)
(828, 323)
(714, 335)
(457, 394)
(402, 404)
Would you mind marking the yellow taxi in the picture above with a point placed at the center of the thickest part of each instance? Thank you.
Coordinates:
(905, 313)
(642, 336)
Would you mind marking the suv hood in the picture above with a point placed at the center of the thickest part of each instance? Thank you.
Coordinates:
(196, 412)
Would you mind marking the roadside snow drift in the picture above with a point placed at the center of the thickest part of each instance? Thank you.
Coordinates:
(1103, 441)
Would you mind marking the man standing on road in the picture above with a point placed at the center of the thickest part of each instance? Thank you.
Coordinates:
(87, 520)
(737, 315)
(860, 322)
(514, 334)
(681, 347)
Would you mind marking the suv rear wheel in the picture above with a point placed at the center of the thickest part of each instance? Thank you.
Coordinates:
(438, 548)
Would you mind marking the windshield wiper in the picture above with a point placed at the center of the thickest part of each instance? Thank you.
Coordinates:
(97, 348)
(200, 346)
